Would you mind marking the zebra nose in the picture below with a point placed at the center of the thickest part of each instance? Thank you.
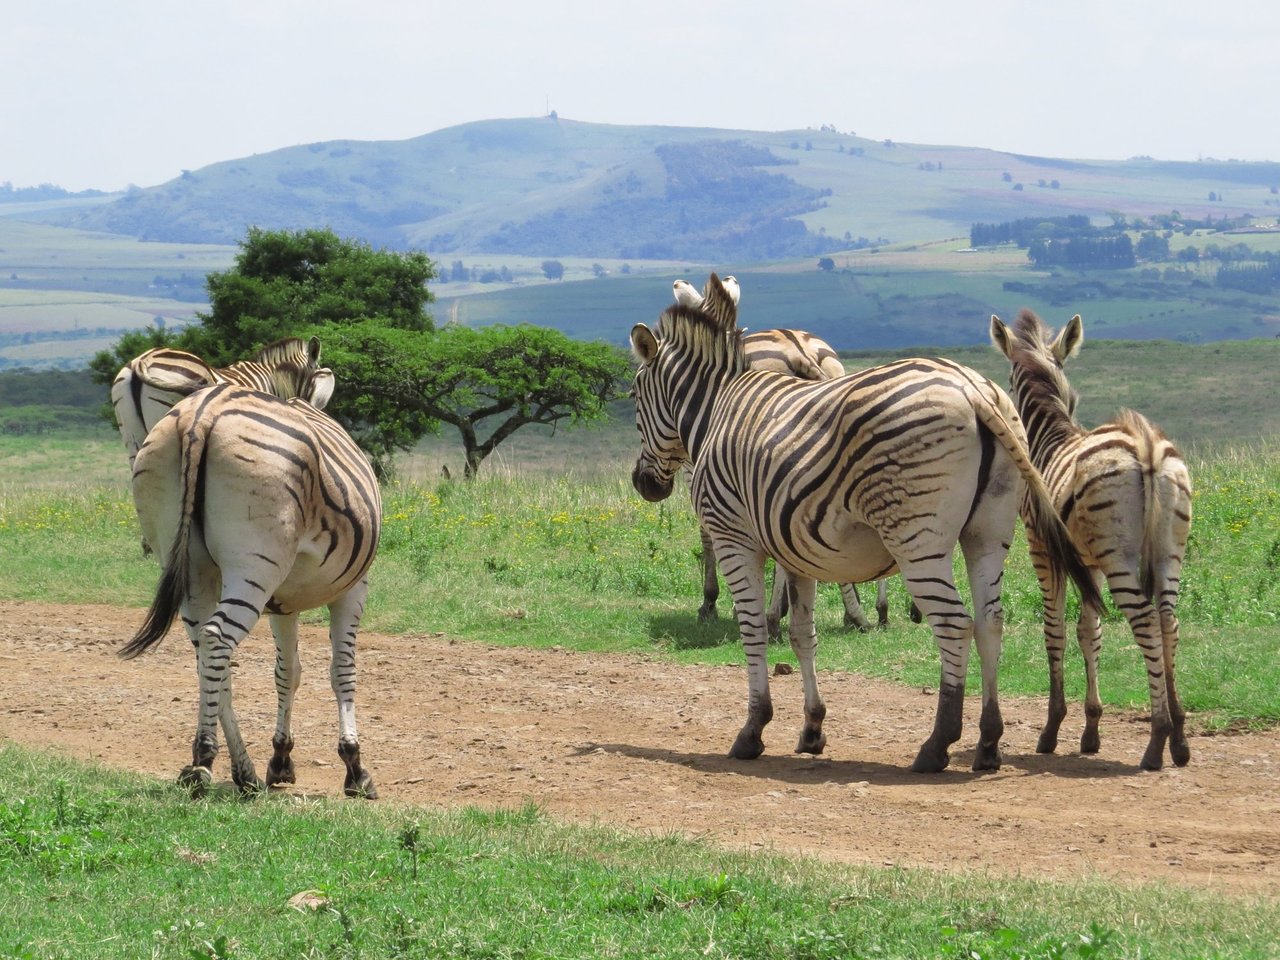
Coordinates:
(649, 485)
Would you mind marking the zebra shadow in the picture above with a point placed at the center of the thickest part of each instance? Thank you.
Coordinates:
(684, 631)
(812, 771)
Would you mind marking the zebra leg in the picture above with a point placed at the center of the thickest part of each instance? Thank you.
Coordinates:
(288, 675)
(218, 638)
(779, 603)
(804, 641)
(1089, 638)
(931, 585)
(1179, 749)
(882, 603)
(984, 557)
(853, 615)
(1053, 593)
(710, 580)
(344, 620)
(1145, 623)
(744, 572)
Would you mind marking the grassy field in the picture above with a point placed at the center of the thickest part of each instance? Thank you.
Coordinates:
(220, 879)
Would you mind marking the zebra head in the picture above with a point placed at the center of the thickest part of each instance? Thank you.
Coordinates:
(1037, 357)
(695, 349)
(293, 369)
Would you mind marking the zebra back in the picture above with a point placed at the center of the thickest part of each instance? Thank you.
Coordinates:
(793, 352)
(303, 460)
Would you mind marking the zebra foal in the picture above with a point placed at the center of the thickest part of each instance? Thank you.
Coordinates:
(843, 480)
(796, 353)
(148, 386)
(257, 504)
(1125, 494)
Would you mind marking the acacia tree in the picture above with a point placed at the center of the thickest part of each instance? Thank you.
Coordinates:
(487, 383)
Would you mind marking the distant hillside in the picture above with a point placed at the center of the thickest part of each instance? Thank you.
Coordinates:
(550, 187)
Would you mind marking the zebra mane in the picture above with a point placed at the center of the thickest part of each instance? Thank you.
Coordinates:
(1039, 374)
(289, 351)
(696, 333)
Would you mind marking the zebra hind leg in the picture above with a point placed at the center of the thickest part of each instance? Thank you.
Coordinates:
(853, 615)
(344, 619)
(804, 642)
(288, 675)
(710, 580)
(931, 586)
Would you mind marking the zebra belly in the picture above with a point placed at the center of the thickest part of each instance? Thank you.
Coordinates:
(858, 555)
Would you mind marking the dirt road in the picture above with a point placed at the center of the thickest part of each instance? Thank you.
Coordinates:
(640, 744)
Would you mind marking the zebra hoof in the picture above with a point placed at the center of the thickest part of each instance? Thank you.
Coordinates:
(1180, 752)
(1047, 743)
(811, 742)
(987, 758)
(930, 760)
(284, 773)
(748, 746)
(862, 626)
(707, 613)
(196, 779)
(250, 786)
(773, 628)
(362, 788)
(1090, 742)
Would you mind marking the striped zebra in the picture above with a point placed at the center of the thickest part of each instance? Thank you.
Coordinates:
(800, 354)
(257, 504)
(1125, 494)
(844, 480)
(150, 384)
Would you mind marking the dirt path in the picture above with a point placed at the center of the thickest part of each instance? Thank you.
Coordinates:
(639, 744)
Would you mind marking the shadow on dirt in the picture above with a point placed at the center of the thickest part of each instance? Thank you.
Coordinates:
(797, 769)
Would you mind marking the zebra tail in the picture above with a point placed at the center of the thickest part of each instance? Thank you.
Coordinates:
(1150, 462)
(176, 579)
(1038, 511)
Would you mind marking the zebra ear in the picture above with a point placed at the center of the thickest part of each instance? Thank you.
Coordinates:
(1001, 336)
(322, 382)
(718, 304)
(313, 352)
(1067, 343)
(685, 293)
(643, 343)
(731, 287)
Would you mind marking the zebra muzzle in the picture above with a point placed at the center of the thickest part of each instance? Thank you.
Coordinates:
(651, 485)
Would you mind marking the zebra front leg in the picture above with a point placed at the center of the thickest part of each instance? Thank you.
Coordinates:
(744, 572)
(344, 621)
(284, 627)
(804, 642)
(710, 579)
(853, 615)
(935, 593)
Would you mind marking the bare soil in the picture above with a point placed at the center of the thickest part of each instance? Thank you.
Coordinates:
(642, 744)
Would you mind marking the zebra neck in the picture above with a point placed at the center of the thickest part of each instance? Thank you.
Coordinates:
(1047, 431)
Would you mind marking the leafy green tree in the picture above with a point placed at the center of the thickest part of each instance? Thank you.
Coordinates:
(283, 280)
(826, 264)
(553, 269)
(487, 383)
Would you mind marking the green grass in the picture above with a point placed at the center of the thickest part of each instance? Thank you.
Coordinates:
(103, 864)
(577, 560)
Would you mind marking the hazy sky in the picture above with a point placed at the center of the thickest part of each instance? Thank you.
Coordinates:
(97, 94)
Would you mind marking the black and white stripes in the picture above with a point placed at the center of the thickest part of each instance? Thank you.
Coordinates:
(1125, 494)
(844, 480)
(257, 504)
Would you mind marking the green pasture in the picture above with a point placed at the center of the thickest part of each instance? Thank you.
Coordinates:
(103, 864)
(541, 555)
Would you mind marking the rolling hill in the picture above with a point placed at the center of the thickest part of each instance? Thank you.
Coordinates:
(555, 187)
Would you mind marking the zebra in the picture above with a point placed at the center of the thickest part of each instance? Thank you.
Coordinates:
(257, 504)
(797, 353)
(844, 480)
(1125, 494)
(151, 383)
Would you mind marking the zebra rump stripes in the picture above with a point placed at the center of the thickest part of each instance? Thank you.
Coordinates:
(1125, 494)
(257, 505)
(844, 480)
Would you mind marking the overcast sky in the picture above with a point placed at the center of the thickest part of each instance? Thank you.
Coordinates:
(97, 94)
